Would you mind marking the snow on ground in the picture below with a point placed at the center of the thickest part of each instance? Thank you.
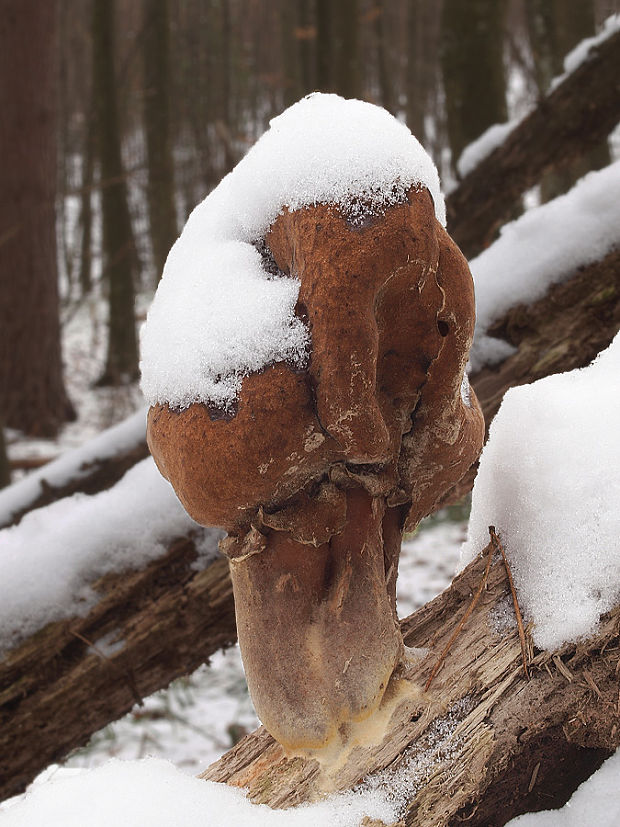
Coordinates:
(544, 246)
(218, 313)
(549, 480)
(85, 537)
(153, 793)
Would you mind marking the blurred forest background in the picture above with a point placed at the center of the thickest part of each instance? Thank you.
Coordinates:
(118, 116)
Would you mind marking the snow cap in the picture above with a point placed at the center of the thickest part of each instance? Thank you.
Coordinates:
(219, 314)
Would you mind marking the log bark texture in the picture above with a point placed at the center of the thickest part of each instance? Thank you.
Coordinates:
(483, 744)
(567, 123)
(75, 676)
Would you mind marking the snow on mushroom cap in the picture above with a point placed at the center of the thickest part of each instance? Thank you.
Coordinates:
(218, 314)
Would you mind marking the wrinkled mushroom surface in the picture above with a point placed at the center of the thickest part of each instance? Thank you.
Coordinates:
(317, 472)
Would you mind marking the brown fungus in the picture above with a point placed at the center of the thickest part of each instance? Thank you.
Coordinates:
(318, 472)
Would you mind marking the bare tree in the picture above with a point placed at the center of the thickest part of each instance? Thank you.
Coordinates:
(32, 392)
(118, 241)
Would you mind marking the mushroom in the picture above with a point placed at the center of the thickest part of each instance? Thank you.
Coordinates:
(317, 471)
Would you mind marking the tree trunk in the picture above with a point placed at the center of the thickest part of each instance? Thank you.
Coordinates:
(474, 89)
(346, 51)
(162, 219)
(5, 468)
(118, 242)
(86, 212)
(559, 130)
(422, 64)
(483, 744)
(32, 393)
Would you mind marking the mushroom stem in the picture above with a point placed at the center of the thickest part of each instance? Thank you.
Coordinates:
(317, 625)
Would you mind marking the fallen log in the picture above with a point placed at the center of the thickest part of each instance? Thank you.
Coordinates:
(573, 322)
(74, 676)
(580, 112)
(91, 468)
(564, 330)
(483, 744)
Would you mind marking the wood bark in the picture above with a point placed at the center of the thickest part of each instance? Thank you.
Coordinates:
(483, 744)
(560, 129)
(32, 393)
(74, 676)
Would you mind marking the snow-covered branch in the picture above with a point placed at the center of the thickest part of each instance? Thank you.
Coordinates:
(560, 129)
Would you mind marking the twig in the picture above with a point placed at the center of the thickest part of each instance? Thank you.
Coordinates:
(495, 539)
(490, 549)
(127, 675)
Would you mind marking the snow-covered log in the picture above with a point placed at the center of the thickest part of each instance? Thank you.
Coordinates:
(74, 676)
(93, 467)
(574, 117)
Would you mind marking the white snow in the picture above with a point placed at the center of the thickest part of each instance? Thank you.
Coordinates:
(484, 145)
(153, 793)
(582, 50)
(73, 464)
(50, 559)
(544, 246)
(549, 480)
(595, 802)
(218, 314)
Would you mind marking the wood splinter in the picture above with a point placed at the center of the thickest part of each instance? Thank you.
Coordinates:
(489, 550)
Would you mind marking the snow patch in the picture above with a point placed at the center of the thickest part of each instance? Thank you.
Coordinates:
(582, 50)
(73, 464)
(549, 479)
(153, 793)
(544, 246)
(477, 150)
(221, 312)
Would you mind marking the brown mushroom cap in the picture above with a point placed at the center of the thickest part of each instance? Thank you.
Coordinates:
(390, 307)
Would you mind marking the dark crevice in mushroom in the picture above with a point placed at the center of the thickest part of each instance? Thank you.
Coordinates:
(269, 263)
(443, 328)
